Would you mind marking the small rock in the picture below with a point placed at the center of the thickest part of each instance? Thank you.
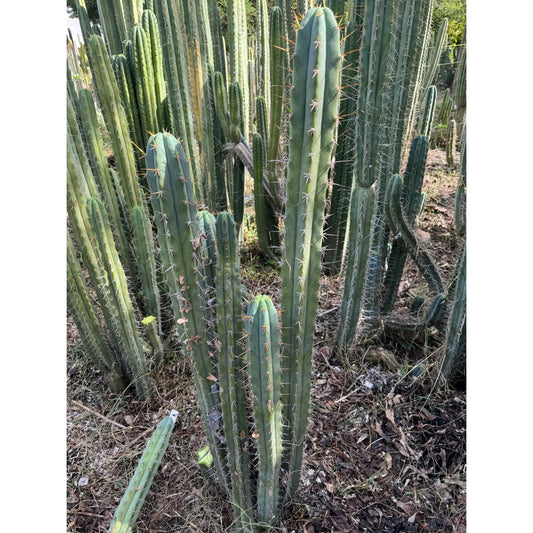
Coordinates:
(128, 419)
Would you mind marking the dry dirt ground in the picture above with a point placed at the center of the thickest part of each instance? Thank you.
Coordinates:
(386, 449)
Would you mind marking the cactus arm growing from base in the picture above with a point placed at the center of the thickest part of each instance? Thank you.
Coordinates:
(399, 225)
(265, 381)
(131, 503)
(314, 101)
(411, 199)
(230, 328)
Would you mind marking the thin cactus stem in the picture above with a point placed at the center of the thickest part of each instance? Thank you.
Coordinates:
(263, 341)
(122, 306)
(429, 111)
(456, 330)
(116, 122)
(86, 320)
(399, 224)
(451, 141)
(460, 192)
(145, 254)
(230, 328)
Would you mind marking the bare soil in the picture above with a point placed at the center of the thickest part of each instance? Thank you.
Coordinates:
(386, 448)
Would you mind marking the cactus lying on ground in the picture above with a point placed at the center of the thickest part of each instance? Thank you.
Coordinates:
(131, 503)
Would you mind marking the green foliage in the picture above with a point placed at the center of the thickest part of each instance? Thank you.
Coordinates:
(455, 12)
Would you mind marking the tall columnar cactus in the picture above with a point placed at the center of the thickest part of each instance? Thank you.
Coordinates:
(131, 503)
(434, 54)
(314, 107)
(146, 93)
(145, 254)
(391, 55)
(115, 121)
(87, 323)
(265, 220)
(98, 159)
(149, 23)
(278, 68)
(230, 328)
(238, 55)
(460, 192)
(106, 12)
(445, 108)
(342, 183)
(118, 293)
(126, 83)
(429, 111)
(178, 89)
(397, 219)
(263, 356)
(456, 332)
(451, 141)
(410, 200)
(237, 125)
(119, 296)
(171, 185)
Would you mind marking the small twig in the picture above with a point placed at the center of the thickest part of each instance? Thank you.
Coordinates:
(99, 415)
(328, 311)
(145, 432)
(88, 514)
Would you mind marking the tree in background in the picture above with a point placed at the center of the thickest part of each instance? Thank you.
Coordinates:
(455, 12)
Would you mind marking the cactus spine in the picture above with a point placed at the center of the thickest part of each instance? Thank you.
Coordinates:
(230, 327)
(265, 380)
(131, 503)
(314, 101)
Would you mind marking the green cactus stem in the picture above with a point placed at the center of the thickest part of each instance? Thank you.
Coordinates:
(451, 141)
(402, 229)
(119, 296)
(172, 195)
(131, 503)
(314, 107)
(460, 192)
(87, 323)
(116, 121)
(410, 199)
(145, 254)
(263, 340)
(454, 360)
(230, 328)
(429, 111)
